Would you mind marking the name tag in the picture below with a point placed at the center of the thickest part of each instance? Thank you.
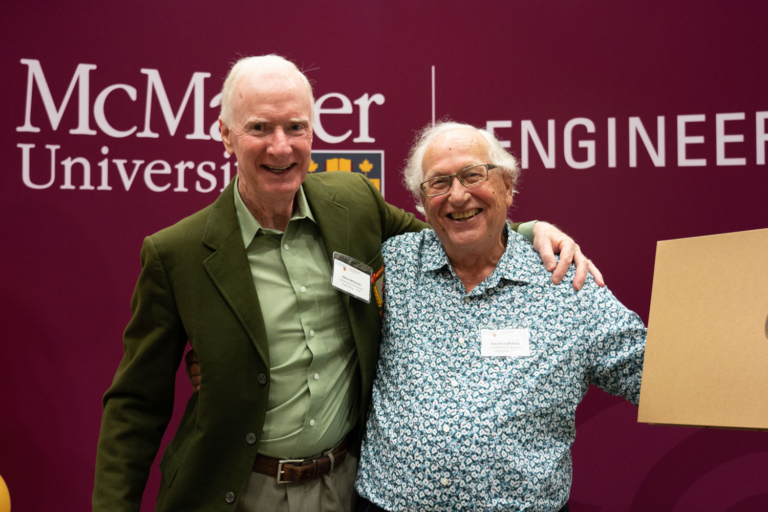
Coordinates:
(352, 277)
(505, 343)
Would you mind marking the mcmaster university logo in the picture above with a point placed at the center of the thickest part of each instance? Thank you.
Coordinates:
(368, 163)
(48, 165)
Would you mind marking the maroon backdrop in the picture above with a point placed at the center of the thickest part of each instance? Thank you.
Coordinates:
(71, 248)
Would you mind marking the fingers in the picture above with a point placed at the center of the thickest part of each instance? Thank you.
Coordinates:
(582, 267)
(192, 365)
(544, 249)
(195, 381)
(549, 240)
(193, 370)
(567, 250)
(191, 360)
(596, 274)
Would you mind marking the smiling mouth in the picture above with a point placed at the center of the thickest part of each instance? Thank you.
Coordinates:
(460, 216)
(277, 170)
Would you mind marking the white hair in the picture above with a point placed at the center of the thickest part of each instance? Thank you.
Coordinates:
(249, 64)
(413, 174)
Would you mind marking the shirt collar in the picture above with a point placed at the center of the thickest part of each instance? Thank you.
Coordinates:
(250, 227)
(514, 265)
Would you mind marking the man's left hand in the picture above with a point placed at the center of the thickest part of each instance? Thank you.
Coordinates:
(548, 240)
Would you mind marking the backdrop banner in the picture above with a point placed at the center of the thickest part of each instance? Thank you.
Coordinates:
(634, 122)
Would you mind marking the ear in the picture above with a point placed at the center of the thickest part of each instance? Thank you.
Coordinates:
(225, 136)
(509, 189)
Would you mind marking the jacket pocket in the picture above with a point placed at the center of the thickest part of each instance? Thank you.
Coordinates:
(169, 466)
(174, 454)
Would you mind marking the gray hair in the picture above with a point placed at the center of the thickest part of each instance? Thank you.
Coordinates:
(413, 174)
(247, 64)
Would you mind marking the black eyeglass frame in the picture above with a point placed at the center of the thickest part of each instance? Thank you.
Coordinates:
(425, 184)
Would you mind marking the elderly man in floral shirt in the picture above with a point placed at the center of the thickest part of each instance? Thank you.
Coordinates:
(483, 359)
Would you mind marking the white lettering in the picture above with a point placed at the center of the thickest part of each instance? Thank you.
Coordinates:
(214, 131)
(104, 171)
(181, 167)
(527, 131)
(657, 156)
(26, 173)
(35, 75)
(208, 176)
(346, 108)
(611, 142)
(683, 140)
(127, 180)
(490, 127)
(364, 103)
(68, 163)
(761, 135)
(588, 144)
(104, 166)
(101, 118)
(156, 167)
(155, 83)
(722, 139)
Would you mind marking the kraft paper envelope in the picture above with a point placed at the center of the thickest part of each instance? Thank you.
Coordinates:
(706, 359)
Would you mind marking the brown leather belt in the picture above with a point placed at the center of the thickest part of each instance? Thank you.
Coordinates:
(300, 470)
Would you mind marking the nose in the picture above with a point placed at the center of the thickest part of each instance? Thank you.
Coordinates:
(280, 144)
(458, 193)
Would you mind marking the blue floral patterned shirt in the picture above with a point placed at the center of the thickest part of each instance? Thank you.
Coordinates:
(450, 429)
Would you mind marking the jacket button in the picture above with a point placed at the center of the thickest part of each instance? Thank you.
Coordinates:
(262, 378)
(250, 438)
(230, 497)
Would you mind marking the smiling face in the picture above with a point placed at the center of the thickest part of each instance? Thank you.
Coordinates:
(270, 134)
(467, 220)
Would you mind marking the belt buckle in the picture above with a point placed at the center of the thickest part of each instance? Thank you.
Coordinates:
(280, 469)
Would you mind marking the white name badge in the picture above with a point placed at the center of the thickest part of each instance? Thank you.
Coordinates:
(505, 343)
(352, 277)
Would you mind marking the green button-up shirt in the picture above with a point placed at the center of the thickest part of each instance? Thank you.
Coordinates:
(312, 400)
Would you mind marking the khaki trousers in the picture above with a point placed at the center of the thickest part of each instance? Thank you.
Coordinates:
(329, 493)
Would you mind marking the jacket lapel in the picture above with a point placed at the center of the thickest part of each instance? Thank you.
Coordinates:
(332, 218)
(229, 270)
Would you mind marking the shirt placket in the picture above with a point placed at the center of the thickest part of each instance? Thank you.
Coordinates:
(295, 254)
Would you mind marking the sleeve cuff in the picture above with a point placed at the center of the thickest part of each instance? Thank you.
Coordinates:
(526, 229)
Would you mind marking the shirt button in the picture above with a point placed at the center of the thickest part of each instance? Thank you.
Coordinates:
(285, 247)
(454, 383)
(311, 423)
(446, 428)
(445, 481)
(317, 376)
(250, 438)
(262, 378)
(461, 340)
(304, 289)
(311, 332)
(466, 299)
(229, 497)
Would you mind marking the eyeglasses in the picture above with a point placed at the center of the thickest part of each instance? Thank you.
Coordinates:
(468, 176)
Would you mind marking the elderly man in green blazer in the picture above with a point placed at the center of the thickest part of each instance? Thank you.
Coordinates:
(286, 360)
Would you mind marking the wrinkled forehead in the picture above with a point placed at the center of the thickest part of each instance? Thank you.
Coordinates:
(265, 83)
(457, 147)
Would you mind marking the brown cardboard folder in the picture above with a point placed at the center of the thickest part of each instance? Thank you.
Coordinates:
(706, 358)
